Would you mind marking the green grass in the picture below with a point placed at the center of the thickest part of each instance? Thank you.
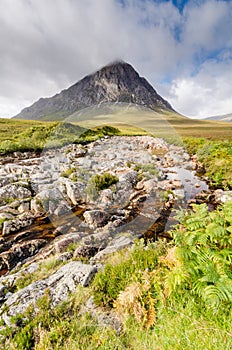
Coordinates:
(181, 321)
(11, 128)
(46, 268)
(123, 269)
(216, 156)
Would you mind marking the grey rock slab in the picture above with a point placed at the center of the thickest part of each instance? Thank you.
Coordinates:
(59, 285)
(104, 318)
(130, 176)
(61, 243)
(8, 281)
(116, 244)
(75, 192)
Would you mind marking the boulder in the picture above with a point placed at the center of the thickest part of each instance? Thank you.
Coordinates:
(62, 242)
(13, 191)
(59, 285)
(96, 218)
(117, 243)
(19, 252)
(222, 196)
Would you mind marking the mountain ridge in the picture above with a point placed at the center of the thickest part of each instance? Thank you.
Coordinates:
(221, 117)
(115, 82)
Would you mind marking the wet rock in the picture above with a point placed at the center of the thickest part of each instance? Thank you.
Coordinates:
(96, 218)
(60, 285)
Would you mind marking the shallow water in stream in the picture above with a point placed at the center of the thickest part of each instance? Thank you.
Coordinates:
(192, 184)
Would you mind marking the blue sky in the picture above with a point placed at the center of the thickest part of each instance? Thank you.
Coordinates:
(183, 48)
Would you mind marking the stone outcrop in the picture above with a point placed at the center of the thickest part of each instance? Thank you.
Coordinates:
(59, 286)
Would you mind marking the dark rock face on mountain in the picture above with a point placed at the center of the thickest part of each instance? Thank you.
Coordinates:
(118, 82)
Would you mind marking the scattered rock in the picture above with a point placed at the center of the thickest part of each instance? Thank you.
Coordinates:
(16, 224)
(13, 191)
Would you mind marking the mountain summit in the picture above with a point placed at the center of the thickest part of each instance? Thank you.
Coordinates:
(116, 82)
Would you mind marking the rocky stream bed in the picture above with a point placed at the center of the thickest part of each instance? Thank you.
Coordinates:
(49, 202)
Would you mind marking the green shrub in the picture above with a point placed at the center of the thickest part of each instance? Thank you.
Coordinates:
(68, 172)
(203, 255)
(97, 133)
(128, 268)
(100, 182)
(216, 156)
(146, 168)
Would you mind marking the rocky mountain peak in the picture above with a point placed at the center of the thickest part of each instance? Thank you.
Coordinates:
(116, 82)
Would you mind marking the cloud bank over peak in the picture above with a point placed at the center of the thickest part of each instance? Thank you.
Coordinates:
(184, 48)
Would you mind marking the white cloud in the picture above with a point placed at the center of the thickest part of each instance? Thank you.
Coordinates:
(206, 94)
(46, 46)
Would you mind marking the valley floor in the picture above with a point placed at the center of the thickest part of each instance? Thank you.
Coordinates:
(78, 271)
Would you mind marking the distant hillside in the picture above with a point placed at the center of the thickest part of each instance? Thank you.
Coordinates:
(117, 82)
(224, 118)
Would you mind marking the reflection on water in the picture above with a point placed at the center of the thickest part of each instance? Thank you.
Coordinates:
(192, 184)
